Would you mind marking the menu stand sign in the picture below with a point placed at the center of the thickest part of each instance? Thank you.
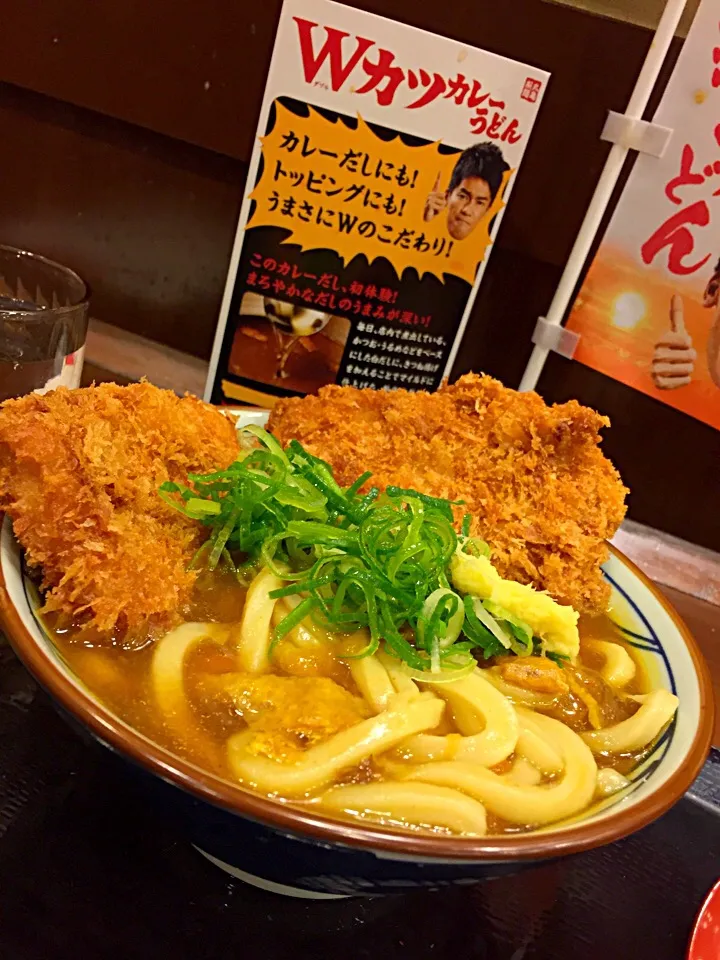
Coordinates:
(648, 313)
(384, 159)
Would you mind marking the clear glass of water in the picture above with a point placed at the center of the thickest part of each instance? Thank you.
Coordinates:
(43, 324)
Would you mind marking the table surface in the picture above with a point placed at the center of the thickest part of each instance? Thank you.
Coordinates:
(88, 870)
(703, 619)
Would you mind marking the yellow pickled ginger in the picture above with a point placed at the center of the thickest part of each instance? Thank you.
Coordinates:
(555, 624)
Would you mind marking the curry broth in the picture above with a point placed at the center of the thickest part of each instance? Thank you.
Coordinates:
(120, 677)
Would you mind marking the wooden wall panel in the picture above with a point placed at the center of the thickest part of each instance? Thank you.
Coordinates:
(192, 69)
(670, 462)
(195, 70)
(146, 220)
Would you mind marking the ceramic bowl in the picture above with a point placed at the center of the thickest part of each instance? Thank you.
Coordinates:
(297, 852)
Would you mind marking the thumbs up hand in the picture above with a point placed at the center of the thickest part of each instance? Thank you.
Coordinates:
(435, 202)
(674, 357)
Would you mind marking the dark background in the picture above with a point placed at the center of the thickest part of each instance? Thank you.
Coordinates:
(127, 129)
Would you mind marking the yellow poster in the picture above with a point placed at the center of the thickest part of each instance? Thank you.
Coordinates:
(330, 183)
(384, 160)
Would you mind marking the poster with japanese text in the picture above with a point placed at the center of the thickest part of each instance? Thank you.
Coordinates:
(384, 158)
(649, 309)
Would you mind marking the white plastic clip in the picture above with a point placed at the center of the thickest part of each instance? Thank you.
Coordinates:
(552, 336)
(638, 135)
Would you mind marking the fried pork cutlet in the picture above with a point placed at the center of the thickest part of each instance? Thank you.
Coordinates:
(532, 476)
(79, 473)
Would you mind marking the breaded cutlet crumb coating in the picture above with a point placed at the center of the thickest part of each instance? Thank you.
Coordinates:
(79, 474)
(532, 476)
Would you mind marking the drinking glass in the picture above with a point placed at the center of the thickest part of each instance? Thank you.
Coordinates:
(43, 324)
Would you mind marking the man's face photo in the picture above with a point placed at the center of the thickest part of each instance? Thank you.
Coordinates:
(474, 183)
(467, 203)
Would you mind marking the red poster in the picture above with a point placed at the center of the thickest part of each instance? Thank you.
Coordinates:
(649, 309)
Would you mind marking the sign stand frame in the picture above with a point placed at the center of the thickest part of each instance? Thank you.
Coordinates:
(628, 134)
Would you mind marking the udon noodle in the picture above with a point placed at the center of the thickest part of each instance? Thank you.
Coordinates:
(308, 722)
(353, 644)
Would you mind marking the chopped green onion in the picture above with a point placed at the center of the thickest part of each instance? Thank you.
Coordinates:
(479, 637)
(354, 487)
(521, 635)
(443, 506)
(303, 587)
(442, 603)
(202, 507)
(475, 547)
(292, 619)
(367, 651)
(448, 673)
(559, 658)
(491, 624)
(267, 440)
(349, 562)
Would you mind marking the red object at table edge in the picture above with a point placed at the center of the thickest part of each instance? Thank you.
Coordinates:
(705, 940)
